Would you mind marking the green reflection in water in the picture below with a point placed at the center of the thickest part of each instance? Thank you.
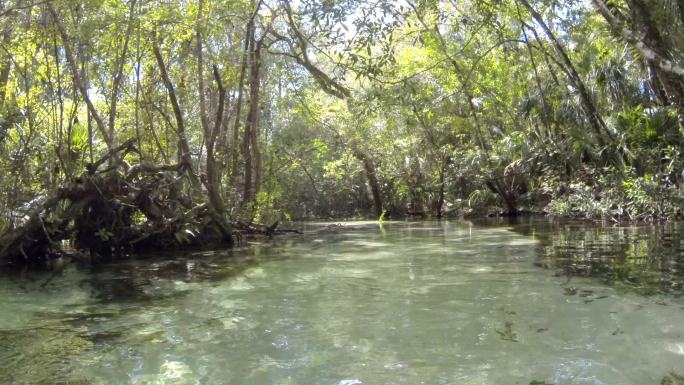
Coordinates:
(411, 303)
(647, 259)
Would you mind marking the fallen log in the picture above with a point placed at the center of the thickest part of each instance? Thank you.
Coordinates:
(250, 229)
(118, 210)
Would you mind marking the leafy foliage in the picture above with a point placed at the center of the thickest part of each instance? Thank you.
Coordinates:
(334, 108)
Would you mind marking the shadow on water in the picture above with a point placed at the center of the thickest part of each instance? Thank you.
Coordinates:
(646, 259)
(141, 279)
(144, 279)
(36, 351)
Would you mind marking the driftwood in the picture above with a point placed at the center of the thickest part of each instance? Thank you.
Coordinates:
(255, 229)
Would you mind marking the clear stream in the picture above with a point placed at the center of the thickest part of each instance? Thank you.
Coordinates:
(399, 303)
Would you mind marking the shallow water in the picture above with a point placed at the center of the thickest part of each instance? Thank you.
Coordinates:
(401, 303)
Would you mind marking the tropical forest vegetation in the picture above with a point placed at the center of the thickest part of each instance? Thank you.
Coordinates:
(147, 124)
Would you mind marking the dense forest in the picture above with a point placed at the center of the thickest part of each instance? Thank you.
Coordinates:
(130, 125)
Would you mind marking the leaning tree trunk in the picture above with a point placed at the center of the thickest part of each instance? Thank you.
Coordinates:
(587, 101)
(372, 176)
(119, 75)
(180, 122)
(642, 33)
(333, 88)
(79, 83)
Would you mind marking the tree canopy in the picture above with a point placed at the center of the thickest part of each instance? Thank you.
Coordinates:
(266, 110)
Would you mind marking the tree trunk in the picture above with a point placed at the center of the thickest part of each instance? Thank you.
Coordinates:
(249, 32)
(618, 24)
(6, 66)
(118, 75)
(672, 85)
(138, 86)
(333, 88)
(250, 146)
(246, 153)
(371, 175)
(507, 196)
(213, 179)
(641, 32)
(595, 119)
(200, 71)
(78, 81)
(180, 122)
(442, 182)
(254, 116)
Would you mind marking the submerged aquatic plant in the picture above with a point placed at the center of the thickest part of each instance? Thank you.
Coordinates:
(672, 378)
(508, 334)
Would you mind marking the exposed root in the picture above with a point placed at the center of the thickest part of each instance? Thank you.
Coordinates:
(116, 211)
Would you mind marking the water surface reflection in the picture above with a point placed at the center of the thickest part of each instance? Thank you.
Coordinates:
(401, 303)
